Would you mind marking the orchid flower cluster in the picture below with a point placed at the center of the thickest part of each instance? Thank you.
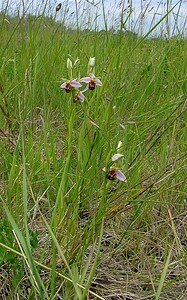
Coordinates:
(74, 84)
(91, 80)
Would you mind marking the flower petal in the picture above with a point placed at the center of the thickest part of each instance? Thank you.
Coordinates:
(63, 85)
(85, 79)
(117, 156)
(75, 83)
(86, 88)
(120, 175)
(98, 82)
(92, 76)
(81, 96)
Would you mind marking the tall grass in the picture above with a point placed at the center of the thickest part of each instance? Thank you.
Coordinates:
(67, 232)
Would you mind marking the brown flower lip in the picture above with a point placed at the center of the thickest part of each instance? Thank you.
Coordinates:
(111, 174)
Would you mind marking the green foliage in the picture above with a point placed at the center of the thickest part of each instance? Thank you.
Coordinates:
(64, 224)
(6, 237)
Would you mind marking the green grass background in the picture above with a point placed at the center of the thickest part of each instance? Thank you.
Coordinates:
(67, 232)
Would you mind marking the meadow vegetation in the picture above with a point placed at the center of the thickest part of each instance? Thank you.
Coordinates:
(66, 230)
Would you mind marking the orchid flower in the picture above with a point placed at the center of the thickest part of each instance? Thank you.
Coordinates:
(115, 173)
(79, 95)
(92, 81)
(68, 84)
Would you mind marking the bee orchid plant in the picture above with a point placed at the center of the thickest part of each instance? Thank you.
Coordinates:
(70, 84)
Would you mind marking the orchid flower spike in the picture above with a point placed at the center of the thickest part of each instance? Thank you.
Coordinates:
(92, 81)
(68, 84)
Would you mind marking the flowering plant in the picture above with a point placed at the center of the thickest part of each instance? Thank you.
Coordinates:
(92, 81)
(115, 172)
(70, 84)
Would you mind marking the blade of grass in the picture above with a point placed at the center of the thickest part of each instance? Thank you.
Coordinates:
(162, 278)
(35, 277)
(58, 247)
(93, 269)
(48, 269)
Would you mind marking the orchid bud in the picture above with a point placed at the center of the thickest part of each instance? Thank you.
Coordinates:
(69, 64)
(119, 145)
(91, 62)
(77, 62)
(58, 7)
